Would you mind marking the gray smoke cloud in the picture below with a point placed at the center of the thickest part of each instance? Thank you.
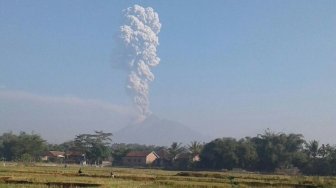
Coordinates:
(138, 41)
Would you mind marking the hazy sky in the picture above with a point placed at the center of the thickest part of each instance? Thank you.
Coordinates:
(228, 68)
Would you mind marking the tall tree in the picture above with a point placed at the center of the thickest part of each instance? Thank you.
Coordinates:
(312, 148)
(17, 147)
(96, 146)
(247, 154)
(195, 148)
(174, 150)
(277, 150)
(220, 153)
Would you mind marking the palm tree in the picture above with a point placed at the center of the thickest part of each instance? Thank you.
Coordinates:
(313, 148)
(195, 148)
(174, 150)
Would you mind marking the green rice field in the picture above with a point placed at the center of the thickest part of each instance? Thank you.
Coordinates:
(16, 175)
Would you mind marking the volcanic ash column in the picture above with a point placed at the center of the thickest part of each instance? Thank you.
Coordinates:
(138, 40)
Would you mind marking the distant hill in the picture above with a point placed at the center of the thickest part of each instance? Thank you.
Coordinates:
(156, 131)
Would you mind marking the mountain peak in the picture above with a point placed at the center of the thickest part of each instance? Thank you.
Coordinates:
(156, 131)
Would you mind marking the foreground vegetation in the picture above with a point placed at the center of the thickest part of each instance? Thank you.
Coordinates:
(267, 153)
(16, 175)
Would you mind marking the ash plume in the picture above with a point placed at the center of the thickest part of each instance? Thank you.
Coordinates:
(138, 40)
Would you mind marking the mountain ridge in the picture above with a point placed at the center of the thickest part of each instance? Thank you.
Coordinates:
(157, 131)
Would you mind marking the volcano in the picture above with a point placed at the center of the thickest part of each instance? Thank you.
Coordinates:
(157, 131)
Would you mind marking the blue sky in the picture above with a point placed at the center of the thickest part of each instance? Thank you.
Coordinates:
(228, 68)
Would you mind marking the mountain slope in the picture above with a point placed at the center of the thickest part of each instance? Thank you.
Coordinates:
(156, 131)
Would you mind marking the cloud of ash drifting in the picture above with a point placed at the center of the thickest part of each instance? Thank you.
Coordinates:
(136, 53)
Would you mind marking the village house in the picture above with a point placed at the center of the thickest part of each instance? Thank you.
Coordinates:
(140, 158)
(53, 156)
(74, 157)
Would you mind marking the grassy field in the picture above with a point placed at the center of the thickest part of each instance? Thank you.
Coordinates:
(58, 176)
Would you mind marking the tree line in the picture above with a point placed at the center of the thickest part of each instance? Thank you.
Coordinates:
(266, 152)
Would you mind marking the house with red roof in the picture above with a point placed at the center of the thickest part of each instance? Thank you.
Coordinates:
(53, 156)
(140, 158)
